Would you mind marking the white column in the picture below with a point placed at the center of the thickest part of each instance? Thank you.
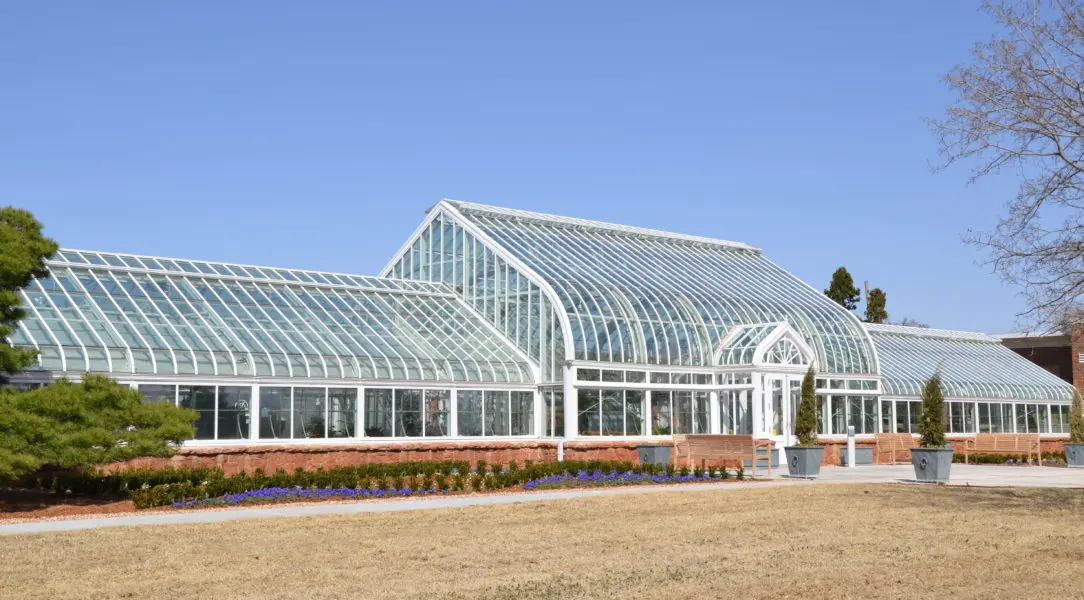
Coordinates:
(453, 418)
(713, 426)
(359, 420)
(571, 420)
(647, 413)
(254, 414)
(755, 405)
(539, 413)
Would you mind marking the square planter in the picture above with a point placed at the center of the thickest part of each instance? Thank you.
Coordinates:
(932, 465)
(654, 454)
(804, 461)
(863, 456)
(1074, 455)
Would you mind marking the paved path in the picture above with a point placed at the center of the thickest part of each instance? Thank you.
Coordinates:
(974, 475)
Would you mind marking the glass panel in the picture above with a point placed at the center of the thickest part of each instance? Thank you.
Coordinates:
(378, 413)
(587, 374)
(887, 421)
(234, 412)
(1044, 418)
(914, 412)
(496, 413)
(310, 412)
(159, 393)
(408, 413)
(683, 407)
(522, 413)
(635, 376)
(202, 400)
(776, 417)
(660, 378)
(743, 415)
(869, 415)
(613, 376)
(274, 412)
(589, 415)
(342, 412)
(554, 421)
(839, 415)
(701, 412)
(702, 378)
(437, 408)
(613, 412)
(661, 413)
(681, 378)
(634, 412)
(469, 412)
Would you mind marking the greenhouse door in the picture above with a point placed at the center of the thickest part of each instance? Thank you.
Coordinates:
(782, 393)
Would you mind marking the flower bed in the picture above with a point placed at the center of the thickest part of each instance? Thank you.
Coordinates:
(299, 494)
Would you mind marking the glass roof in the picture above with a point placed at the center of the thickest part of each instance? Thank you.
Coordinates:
(119, 313)
(644, 296)
(972, 365)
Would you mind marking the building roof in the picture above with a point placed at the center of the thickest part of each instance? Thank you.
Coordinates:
(643, 296)
(120, 313)
(972, 365)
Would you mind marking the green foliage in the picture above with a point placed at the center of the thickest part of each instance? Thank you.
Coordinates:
(842, 291)
(23, 252)
(740, 473)
(78, 425)
(931, 423)
(875, 306)
(805, 425)
(1076, 420)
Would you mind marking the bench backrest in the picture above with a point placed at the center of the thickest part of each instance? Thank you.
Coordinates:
(898, 441)
(714, 445)
(1005, 442)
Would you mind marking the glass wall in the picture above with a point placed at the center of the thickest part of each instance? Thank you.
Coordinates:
(988, 417)
(611, 411)
(495, 413)
(734, 414)
(553, 415)
(224, 411)
(444, 252)
(307, 412)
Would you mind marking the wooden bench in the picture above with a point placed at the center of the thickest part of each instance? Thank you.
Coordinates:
(703, 448)
(893, 443)
(1004, 443)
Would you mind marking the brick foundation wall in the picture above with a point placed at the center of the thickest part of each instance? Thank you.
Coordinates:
(233, 459)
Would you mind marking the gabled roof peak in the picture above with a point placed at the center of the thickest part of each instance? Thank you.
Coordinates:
(571, 222)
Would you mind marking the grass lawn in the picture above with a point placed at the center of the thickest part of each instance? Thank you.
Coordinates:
(803, 541)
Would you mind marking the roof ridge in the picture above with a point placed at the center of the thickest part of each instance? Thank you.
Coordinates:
(573, 221)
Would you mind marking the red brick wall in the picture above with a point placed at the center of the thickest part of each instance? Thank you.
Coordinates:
(834, 447)
(1077, 350)
(233, 459)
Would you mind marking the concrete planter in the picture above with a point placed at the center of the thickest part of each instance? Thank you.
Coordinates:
(654, 454)
(932, 465)
(1074, 455)
(864, 456)
(804, 461)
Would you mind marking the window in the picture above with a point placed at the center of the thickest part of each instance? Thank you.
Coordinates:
(553, 412)
(496, 414)
(274, 412)
(202, 400)
(887, 420)
(522, 413)
(469, 412)
(734, 416)
(309, 412)
(613, 376)
(342, 412)
(437, 408)
(661, 414)
(680, 378)
(702, 378)
(634, 412)
(408, 413)
(660, 378)
(159, 393)
(613, 412)
(378, 412)
(234, 412)
(587, 374)
(635, 376)
(784, 352)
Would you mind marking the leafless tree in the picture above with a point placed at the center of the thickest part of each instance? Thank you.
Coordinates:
(1020, 106)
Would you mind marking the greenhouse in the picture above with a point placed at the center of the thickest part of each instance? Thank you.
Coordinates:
(498, 324)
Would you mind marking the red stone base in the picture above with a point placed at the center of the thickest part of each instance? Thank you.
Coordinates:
(233, 459)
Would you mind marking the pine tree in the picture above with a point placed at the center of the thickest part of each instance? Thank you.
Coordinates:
(805, 425)
(842, 289)
(1076, 420)
(23, 251)
(875, 306)
(931, 423)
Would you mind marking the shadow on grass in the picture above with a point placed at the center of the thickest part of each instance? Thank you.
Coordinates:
(26, 501)
(982, 498)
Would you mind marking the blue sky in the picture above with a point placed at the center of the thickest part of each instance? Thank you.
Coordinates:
(314, 135)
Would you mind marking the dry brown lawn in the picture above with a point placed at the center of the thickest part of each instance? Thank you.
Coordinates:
(803, 541)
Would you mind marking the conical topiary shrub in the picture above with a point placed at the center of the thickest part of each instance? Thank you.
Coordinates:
(805, 425)
(1074, 449)
(931, 422)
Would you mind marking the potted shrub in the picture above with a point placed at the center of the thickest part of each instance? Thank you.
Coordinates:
(932, 460)
(804, 460)
(1074, 450)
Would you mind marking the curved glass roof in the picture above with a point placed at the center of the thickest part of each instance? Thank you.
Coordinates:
(643, 296)
(972, 365)
(117, 313)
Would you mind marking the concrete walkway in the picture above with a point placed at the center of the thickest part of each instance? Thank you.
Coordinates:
(974, 475)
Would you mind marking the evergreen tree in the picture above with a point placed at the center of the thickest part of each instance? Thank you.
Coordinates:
(931, 422)
(78, 425)
(875, 306)
(1076, 420)
(23, 251)
(842, 289)
(805, 425)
